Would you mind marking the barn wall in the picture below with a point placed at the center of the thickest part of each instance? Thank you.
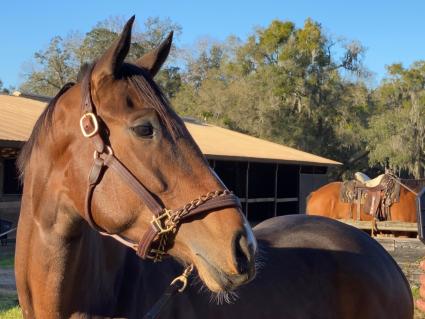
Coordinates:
(309, 182)
(270, 189)
(265, 189)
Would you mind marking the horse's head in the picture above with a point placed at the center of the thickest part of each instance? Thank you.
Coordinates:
(151, 141)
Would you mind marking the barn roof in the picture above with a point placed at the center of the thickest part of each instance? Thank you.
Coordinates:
(19, 114)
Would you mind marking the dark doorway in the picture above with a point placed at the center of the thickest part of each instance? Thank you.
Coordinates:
(11, 184)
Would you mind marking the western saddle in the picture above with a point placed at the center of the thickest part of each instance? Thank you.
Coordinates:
(375, 196)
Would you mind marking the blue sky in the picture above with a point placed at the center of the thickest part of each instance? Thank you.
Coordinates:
(392, 31)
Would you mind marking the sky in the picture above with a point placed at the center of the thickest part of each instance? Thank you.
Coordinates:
(392, 31)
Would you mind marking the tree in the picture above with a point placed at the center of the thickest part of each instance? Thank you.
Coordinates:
(283, 84)
(396, 136)
(55, 67)
(5, 90)
(60, 62)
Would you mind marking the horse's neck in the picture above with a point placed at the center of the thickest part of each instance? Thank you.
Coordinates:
(63, 266)
(87, 275)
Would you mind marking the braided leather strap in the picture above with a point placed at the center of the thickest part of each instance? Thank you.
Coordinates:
(167, 223)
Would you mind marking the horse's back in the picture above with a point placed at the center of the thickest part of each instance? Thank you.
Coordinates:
(334, 267)
(325, 201)
(314, 267)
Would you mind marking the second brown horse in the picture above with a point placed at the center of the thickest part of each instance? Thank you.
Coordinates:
(326, 201)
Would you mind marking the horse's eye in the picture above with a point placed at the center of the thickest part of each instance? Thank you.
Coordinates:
(144, 130)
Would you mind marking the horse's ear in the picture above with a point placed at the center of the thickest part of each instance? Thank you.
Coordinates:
(111, 61)
(153, 60)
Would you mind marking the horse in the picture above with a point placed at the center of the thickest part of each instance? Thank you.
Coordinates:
(111, 181)
(326, 201)
(304, 273)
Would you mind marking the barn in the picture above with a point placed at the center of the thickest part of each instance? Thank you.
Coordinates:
(270, 179)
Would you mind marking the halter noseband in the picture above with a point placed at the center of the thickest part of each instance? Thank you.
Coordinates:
(153, 244)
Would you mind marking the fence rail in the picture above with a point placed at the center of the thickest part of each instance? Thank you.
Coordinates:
(383, 225)
(10, 197)
(8, 232)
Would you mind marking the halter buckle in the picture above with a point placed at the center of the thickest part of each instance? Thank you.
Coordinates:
(160, 222)
(93, 119)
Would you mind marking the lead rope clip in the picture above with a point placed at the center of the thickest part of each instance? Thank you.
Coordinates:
(183, 278)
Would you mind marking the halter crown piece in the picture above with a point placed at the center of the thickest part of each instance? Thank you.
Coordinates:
(153, 244)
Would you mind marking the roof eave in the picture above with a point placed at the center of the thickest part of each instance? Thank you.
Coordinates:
(269, 160)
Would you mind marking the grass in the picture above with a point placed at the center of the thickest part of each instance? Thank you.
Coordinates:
(415, 293)
(11, 313)
(7, 262)
(9, 308)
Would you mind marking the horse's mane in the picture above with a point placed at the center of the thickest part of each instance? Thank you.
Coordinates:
(147, 89)
(44, 122)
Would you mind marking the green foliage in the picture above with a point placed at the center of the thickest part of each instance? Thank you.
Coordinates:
(60, 62)
(397, 132)
(11, 313)
(95, 43)
(3, 89)
(9, 308)
(295, 86)
(7, 262)
(55, 68)
(283, 84)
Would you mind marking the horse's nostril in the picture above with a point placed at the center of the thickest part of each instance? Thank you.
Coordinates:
(242, 253)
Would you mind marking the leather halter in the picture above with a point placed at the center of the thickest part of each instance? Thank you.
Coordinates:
(153, 244)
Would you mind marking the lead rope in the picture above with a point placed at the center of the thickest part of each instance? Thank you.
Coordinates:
(397, 180)
(177, 285)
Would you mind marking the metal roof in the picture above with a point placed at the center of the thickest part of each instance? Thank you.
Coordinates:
(19, 114)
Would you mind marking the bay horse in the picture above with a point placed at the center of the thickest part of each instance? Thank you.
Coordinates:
(326, 201)
(312, 267)
(111, 174)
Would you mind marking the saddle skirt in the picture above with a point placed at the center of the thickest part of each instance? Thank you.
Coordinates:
(375, 196)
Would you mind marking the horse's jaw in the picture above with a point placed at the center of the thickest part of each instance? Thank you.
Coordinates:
(217, 279)
(223, 260)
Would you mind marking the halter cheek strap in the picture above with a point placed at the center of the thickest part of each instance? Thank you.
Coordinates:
(153, 243)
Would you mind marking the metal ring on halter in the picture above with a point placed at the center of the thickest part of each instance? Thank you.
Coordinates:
(109, 151)
(92, 117)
